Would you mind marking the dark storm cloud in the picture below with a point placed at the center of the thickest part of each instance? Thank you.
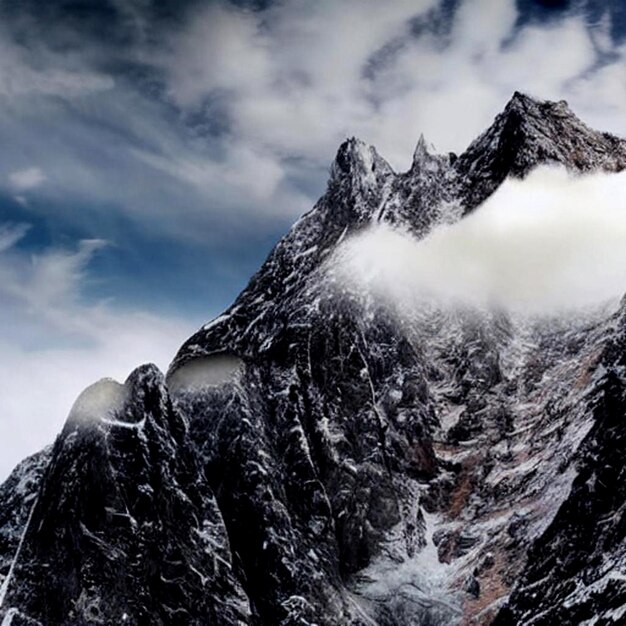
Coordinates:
(593, 11)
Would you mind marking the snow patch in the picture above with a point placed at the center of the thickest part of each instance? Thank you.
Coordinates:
(215, 322)
(8, 617)
(413, 590)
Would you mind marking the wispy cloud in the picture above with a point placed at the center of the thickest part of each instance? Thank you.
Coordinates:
(25, 71)
(54, 343)
(10, 234)
(298, 77)
(24, 180)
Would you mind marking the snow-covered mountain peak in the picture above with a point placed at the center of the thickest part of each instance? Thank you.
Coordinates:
(358, 176)
(426, 159)
(421, 152)
(529, 132)
(311, 462)
(526, 105)
(355, 159)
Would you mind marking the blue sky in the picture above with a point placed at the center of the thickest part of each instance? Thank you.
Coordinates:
(153, 152)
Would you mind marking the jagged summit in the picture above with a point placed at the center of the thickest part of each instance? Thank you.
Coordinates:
(529, 132)
(421, 150)
(423, 155)
(527, 106)
(524, 100)
(356, 159)
(349, 470)
(525, 103)
(438, 188)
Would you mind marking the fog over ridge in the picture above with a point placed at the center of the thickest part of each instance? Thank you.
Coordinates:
(550, 243)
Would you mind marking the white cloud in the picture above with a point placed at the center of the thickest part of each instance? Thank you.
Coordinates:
(44, 284)
(253, 178)
(481, 26)
(600, 95)
(222, 49)
(546, 244)
(297, 78)
(27, 179)
(10, 234)
(53, 345)
(292, 76)
(573, 54)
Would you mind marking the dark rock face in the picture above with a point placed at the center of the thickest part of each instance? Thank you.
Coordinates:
(311, 476)
(311, 460)
(125, 528)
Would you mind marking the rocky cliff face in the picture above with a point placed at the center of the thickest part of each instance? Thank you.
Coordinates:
(309, 460)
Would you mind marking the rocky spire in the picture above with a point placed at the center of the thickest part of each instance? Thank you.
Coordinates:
(357, 161)
(421, 150)
(424, 156)
(528, 133)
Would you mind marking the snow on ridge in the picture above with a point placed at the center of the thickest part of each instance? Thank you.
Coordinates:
(214, 322)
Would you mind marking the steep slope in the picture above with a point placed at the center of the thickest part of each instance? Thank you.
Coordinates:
(125, 528)
(511, 438)
(576, 570)
(311, 460)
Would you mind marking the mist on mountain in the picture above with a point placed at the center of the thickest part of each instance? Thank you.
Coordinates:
(549, 243)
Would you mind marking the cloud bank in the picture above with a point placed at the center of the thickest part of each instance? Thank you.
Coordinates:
(548, 244)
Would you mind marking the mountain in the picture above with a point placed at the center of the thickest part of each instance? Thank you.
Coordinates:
(309, 460)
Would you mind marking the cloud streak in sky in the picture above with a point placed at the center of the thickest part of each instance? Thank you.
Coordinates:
(54, 344)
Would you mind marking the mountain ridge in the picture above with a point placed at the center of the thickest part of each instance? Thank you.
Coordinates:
(414, 199)
(344, 469)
